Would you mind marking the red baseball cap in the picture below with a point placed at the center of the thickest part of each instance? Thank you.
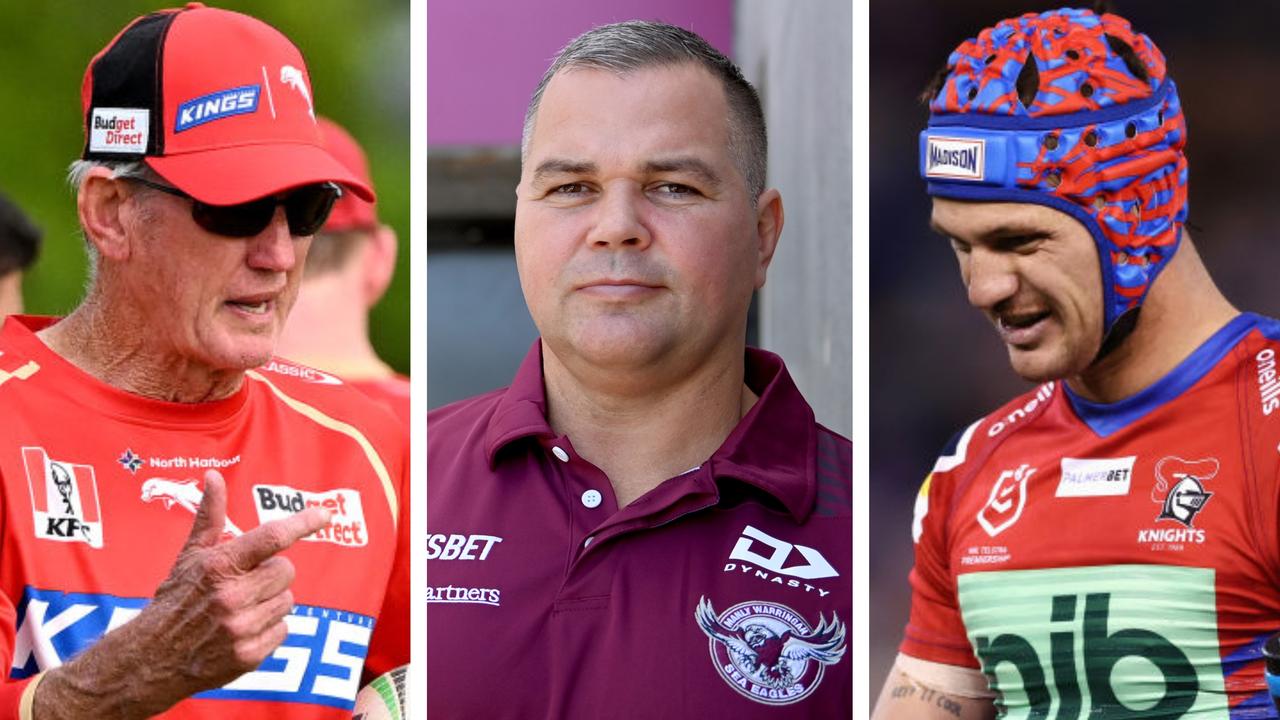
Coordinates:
(217, 102)
(350, 212)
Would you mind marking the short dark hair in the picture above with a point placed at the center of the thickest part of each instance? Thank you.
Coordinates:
(627, 46)
(19, 238)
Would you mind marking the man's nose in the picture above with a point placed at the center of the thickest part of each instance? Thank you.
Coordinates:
(619, 219)
(990, 277)
(274, 248)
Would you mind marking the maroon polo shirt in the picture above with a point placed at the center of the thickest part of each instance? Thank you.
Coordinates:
(723, 592)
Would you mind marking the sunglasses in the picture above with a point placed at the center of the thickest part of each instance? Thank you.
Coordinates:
(306, 209)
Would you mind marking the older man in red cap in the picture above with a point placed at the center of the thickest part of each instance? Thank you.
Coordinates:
(348, 270)
(153, 423)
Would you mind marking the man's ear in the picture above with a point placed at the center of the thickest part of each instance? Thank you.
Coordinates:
(769, 217)
(378, 264)
(100, 205)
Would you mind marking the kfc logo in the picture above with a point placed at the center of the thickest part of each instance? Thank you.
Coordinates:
(64, 499)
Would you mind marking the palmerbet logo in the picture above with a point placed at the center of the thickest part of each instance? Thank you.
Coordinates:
(319, 662)
(215, 106)
(1122, 640)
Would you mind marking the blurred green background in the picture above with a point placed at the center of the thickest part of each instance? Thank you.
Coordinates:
(358, 58)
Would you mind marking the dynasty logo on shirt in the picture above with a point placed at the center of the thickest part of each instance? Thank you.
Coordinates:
(64, 499)
(767, 651)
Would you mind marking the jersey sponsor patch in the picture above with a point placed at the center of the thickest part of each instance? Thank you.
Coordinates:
(460, 547)
(1008, 498)
(1085, 642)
(216, 106)
(347, 526)
(769, 652)
(1095, 477)
(119, 130)
(64, 499)
(955, 158)
(319, 661)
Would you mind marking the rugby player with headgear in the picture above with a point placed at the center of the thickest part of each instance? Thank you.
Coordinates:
(1105, 545)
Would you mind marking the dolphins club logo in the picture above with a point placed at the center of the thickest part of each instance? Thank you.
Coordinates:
(767, 651)
(1182, 482)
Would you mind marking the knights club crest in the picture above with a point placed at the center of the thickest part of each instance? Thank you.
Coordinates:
(768, 652)
(1181, 482)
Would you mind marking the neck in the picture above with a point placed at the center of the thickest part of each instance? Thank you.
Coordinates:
(113, 346)
(1182, 310)
(329, 330)
(639, 433)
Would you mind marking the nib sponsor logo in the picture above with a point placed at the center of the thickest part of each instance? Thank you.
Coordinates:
(347, 527)
(64, 499)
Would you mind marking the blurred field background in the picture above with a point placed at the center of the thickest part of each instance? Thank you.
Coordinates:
(936, 365)
(358, 57)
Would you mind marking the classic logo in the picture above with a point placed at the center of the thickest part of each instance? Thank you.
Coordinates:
(1187, 497)
(1095, 477)
(347, 526)
(768, 652)
(119, 130)
(305, 374)
(216, 106)
(812, 565)
(292, 76)
(955, 158)
(318, 663)
(64, 499)
(129, 461)
(186, 494)
(1008, 497)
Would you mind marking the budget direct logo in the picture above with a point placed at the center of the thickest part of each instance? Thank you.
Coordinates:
(768, 652)
(347, 527)
(64, 499)
(318, 663)
(1084, 642)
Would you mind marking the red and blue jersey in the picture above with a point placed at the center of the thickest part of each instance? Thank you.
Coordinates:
(1109, 560)
(98, 490)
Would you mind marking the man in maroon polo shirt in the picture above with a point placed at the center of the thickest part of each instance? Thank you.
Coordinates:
(648, 522)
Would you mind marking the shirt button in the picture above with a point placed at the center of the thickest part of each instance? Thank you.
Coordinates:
(592, 498)
(560, 454)
(588, 541)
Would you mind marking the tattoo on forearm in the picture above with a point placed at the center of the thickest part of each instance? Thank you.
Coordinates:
(906, 690)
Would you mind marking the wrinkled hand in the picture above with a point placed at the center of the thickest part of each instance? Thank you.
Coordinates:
(218, 615)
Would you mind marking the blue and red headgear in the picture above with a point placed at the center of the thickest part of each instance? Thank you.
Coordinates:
(1099, 141)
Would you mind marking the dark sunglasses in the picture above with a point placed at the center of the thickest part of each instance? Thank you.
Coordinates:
(306, 209)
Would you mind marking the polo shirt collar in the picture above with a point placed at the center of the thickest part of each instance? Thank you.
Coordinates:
(772, 447)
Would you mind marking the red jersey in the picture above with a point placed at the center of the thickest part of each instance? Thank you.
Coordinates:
(1118, 560)
(98, 489)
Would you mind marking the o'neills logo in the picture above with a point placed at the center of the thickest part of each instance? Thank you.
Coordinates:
(767, 651)
(347, 527)
(955, 158)
(1043, 394)
(1268, 383)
